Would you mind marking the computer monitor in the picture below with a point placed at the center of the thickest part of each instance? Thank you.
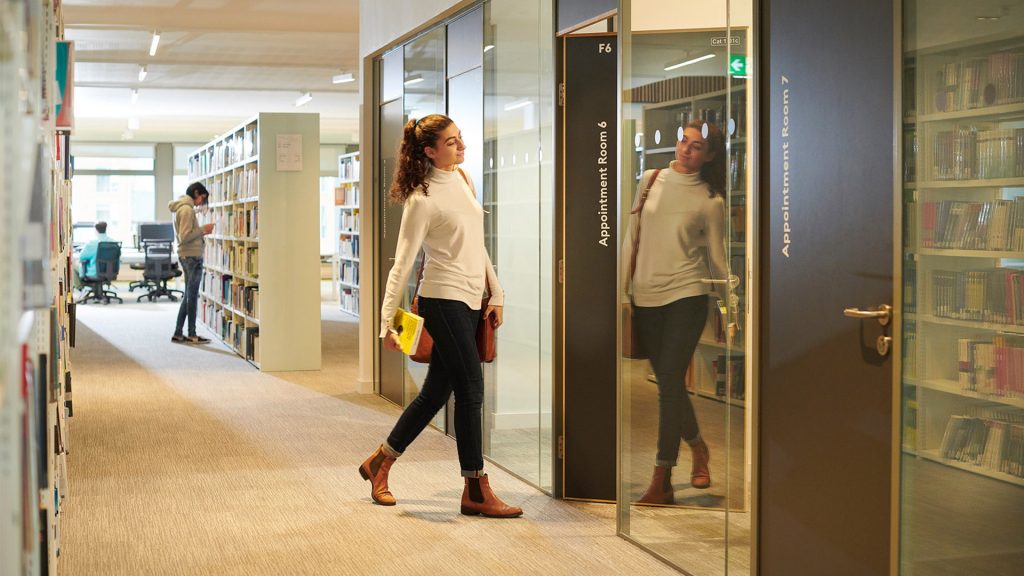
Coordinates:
(82, 233)
(156, 232)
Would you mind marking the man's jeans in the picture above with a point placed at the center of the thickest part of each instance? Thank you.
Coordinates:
(192, 266)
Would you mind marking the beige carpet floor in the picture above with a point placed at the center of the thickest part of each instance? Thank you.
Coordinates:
(187, 460)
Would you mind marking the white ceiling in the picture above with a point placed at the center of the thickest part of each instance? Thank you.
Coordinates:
(218, 62)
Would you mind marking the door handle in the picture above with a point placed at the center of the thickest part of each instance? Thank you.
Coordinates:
(883, 314)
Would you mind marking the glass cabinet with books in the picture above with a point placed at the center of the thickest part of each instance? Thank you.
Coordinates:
(963, 288)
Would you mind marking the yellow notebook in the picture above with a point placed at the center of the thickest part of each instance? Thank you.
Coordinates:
(409, 327)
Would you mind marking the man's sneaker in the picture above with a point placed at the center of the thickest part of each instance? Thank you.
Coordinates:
(178, 338)
(197, 340)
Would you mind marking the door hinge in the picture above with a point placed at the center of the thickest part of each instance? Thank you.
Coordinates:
(561, 93)
(561, 271)
(561, 447)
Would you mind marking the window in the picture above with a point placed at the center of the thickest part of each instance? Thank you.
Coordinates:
(114, 184)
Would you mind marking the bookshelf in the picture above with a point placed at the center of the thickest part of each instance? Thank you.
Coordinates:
(36, 307)
(963, 267)
(718, 369)
(346, 200)
(260, 293)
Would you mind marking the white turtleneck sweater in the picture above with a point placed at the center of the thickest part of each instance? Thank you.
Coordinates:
(448, 223)
(679, 218)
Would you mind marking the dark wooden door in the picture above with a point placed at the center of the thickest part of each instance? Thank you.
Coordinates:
(825, 410)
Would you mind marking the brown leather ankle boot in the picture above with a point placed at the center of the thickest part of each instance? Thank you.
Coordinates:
(700, 475)
(477, 498)
(660, 491)
(376, 469)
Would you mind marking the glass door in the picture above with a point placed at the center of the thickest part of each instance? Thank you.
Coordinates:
(962, 487)
(685, 387)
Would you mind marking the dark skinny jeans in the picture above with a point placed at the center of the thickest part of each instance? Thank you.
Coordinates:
(669, 334)
(454, 366)
(192, 266)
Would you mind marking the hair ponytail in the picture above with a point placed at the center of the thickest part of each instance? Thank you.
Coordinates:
(413, 164)
(713, 171)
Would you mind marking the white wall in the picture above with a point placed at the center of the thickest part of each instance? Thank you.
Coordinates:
(383, 21)
(688, 14)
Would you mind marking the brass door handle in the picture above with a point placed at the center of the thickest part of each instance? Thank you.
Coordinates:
(883, 314)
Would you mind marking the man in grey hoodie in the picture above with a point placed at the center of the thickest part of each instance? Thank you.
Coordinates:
(190, 254)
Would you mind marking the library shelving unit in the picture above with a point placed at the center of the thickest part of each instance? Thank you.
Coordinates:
(718, 369)
(346, 200)
(260, 293)
(963, 266)
(36, 308)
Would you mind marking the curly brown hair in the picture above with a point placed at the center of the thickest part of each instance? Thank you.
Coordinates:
(713, 171)
(413, 164)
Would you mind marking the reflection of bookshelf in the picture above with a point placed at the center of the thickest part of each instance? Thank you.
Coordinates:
(346, 200)
(260, 292)
(963, 359)
(718, 369)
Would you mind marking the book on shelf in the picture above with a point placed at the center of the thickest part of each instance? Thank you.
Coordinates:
(348, 272)
(348, 167)
(993, 444)
(253, 344)
(991, 366)
(996, 225)
(970, 152)
(729, 377)
(974, 82)
(349, 221)
(346, 194)
(251, 301)
(994, 295)
(348, 246)
(350, 299)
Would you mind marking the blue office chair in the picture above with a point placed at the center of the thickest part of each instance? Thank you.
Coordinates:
(108, 263)
(159, 269)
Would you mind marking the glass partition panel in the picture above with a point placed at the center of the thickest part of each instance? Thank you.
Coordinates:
(685, 450)
(518, 194)
(424, 94)
(962, 490)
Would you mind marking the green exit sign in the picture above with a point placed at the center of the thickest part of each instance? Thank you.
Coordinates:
(737, 65)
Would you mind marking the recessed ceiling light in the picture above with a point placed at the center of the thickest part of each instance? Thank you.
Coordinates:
(489, 47)
(304, 99)
(343, 78)
(142, 73)
(987, 18)
(413, 79)
(154, 43)
(688, 62)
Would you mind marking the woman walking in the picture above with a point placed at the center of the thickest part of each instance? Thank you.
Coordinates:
(678, 210)
(441, 216)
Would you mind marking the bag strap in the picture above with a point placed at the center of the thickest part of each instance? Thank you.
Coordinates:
(639, 211)
(487, 282)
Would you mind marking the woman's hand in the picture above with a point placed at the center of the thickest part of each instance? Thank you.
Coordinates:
(391, 342)
(494, 315)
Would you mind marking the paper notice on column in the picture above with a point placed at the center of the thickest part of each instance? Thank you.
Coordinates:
(289, 152)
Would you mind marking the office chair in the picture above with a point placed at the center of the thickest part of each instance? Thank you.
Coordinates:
(159, 269)
(143, 284)
(108, 263)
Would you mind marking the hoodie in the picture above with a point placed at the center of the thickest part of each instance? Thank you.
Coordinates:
(186, 226)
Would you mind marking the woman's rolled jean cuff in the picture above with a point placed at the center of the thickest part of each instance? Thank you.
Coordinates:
(389, 451)
(665, 463)
(472, 473)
